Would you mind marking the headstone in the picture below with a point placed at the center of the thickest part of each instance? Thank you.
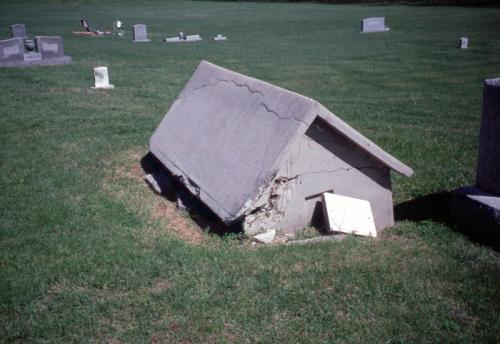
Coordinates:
(488, 163)
(181, 38)
(477, 208)
(140, 33)
(101, 78)
(219, 37)
(11, 50)
(50, 46)
(464, 43)
(375, 24)
(348, 215)
(18, 31)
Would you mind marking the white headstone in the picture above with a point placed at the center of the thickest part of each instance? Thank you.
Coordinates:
(219, 37)
(181, 38)
(101, 78)
(348, 215)
(375, 24)
(464, 43)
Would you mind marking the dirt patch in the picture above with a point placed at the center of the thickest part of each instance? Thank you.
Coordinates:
(178, 222)
(159, 286)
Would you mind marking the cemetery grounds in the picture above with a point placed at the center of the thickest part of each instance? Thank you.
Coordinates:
(89, 254)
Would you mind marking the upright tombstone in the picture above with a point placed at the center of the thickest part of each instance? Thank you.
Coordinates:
(101, 78)
(464, 43)
(375, 24)
(11, 52)
(478, 207)
(18, 31)
(140, 33)
(52, 49)
(488, 162)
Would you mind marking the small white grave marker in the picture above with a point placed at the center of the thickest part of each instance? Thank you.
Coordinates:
(101, 78)
(348, 215)
(464, 43)
(219, 37)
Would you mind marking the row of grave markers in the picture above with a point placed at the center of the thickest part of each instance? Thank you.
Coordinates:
(140, 33)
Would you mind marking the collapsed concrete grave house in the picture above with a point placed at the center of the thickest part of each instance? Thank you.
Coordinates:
(263, 155)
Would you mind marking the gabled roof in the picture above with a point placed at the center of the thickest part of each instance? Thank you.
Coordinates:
(226, 133)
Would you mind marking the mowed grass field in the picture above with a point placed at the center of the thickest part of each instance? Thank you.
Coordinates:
(89, 254)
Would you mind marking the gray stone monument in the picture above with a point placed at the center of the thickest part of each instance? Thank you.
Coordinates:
(11, 51)
(375, 24)
(18, 31)
(140, 33)
(464, 43)
(255, 152)
(478, 206)
(49, 51)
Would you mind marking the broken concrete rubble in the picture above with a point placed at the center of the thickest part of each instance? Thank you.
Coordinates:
(262, 155)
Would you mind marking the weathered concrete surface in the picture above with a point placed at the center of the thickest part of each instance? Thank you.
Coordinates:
(375, 24)
(18, 31)
(231, 140)
(478, 212)
(322, 160)
(140, 33)
(488, 163)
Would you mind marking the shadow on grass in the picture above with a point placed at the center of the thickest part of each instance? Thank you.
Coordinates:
(174, 191)
(437, 207)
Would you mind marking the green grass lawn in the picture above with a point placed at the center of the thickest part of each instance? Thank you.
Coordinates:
(89, 254)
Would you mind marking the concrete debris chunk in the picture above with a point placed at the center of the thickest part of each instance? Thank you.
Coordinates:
(266, 237)
(259, 155)
(348, 215)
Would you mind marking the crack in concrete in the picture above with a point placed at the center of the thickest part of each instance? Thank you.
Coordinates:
(268, 109)
(219, 80)
(333, 171)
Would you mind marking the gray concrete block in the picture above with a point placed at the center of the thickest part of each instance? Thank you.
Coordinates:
(11, 51)
(488, 163)
(140, 33)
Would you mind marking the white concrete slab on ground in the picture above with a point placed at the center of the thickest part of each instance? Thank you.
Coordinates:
(348, 215)
(266, 237)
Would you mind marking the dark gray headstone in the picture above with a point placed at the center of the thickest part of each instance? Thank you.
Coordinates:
(11, 50)
(18, 31)
(140, 33)
(50, 46)
(488, 163)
